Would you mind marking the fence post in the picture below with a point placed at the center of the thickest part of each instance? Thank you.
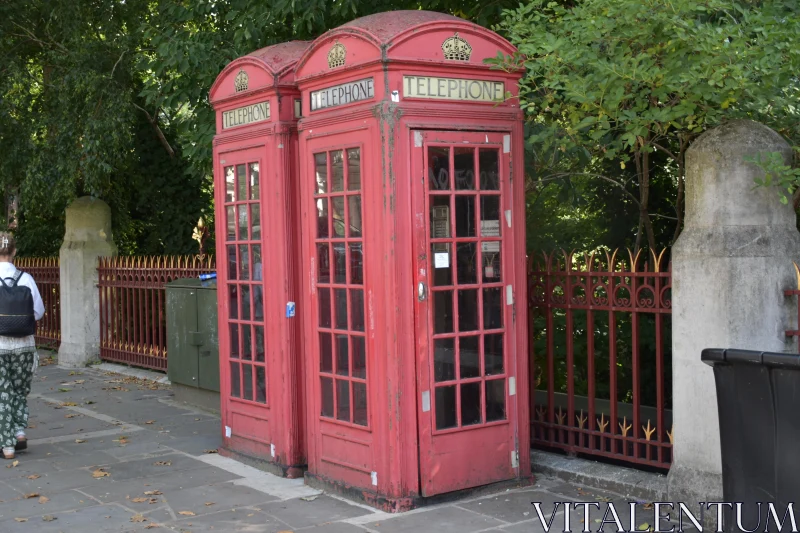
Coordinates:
(730, 267)
(87, 237)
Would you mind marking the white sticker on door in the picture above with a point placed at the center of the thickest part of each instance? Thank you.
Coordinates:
(441, 260)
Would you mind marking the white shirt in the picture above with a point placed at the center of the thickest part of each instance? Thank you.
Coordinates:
(7, 270)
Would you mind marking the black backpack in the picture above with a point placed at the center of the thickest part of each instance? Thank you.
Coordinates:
(16, 308)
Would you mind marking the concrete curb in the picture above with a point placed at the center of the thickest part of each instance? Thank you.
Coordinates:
(140, 373)
(627, 482)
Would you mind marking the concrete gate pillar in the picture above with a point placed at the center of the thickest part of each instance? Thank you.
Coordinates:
(730, 267)
(87, 237)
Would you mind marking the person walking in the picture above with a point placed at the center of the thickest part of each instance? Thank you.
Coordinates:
(20, 307)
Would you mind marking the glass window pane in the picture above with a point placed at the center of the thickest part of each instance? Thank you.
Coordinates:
(439, 168)
(247, 382)
(469, 357)
(245, 294)
(254, 183)
(243, 222)
(244, 262)
(325, 353)
(321, 165)
(323, 263)
(322, 218)
(339, 263)
(465, 216)
(464, 169)
(231, 248)
(356, 263)
(495, 400)
(326, 385)
(490, 216)
(492, 308)
(471, 403)
(354, 169)
(258, 302)
(358, 345)
(357, 310)
(235, 381)
(338, 216)
(467, 258)
(354, 227)
(241, 183)
(247, 344)
(442, 267)
(490, 252)
(468, 310)
(489, 167)
(324, 307)
(231, 220)
(446, 407)
(443, 311)
(255, 220)
(493, 363)
(343, 400)
(440, 216)
(257, 266)
(340, 304)
(234, 330)
(233, 301)
(229, 184)
(259, 344)
(261, 384)
(337, 171)
(444, 360)
(342, 355)
(360, 404)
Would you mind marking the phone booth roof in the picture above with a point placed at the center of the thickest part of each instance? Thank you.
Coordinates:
(274, 67)
(401, 36)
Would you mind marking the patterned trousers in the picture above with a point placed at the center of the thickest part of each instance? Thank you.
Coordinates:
(16, 374)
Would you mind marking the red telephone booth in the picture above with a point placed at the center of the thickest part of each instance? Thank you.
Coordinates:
(413, 226)
(257, 105)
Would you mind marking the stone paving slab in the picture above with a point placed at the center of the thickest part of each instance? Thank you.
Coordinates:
(160, 475)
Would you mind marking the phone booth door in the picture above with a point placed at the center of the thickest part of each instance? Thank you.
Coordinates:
(243, 297)
(467, 419)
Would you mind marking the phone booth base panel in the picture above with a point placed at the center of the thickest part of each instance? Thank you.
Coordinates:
(401, 505)
(259, 462)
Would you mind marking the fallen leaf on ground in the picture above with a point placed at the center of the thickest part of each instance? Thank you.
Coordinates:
(122, 440)
(138, 518)
(186, 513)
(648, 506)
(44, 499)
(210, 451)
(151, 526)
(251, 514)
(152, 493)
(209, 504)
(31, 495)
(150, 422)
(21, 519)
(100, 473)
(73, 415)
(79, 441)
(49, 518)
(644, 527)
(163, 463)
(139, 500)
(153, 500)
(310, 498)
(63, 390)
(34, 476)
(80, 381)
(90, 402)
(13, 465)
(69, 404)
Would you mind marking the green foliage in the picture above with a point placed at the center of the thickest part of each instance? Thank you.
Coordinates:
(611, 83)
(786, 178)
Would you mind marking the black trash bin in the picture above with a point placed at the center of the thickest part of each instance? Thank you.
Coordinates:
(758, 398)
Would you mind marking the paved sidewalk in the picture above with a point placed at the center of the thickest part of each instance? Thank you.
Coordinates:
(115, 453)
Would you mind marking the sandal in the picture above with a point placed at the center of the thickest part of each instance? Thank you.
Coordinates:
(8, 453)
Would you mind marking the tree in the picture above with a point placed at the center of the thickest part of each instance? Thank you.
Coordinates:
(633, 82)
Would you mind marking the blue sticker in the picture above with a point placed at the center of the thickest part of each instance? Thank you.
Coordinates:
(289, 309)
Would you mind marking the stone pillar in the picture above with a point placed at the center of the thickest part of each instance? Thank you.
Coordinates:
(87, 237)
(730, 267)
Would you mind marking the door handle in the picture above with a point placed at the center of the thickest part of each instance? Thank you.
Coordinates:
(421, 292)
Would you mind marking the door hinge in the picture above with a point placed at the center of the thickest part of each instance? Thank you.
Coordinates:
(515, 459)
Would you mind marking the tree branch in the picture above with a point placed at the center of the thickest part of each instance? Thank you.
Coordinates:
(554, 177)
(153, 122)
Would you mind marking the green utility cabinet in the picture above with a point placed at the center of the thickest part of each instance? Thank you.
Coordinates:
(192, 341)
